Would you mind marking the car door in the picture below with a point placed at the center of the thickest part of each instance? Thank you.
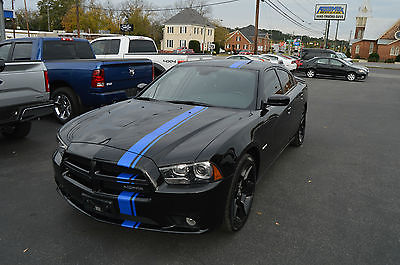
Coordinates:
(322, 66)
(291, 115)
(270, 123)
(337, 67)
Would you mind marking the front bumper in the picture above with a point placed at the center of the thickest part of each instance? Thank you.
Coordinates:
(165, 208)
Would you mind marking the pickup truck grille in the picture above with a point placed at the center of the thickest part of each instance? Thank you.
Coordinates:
(105, 177)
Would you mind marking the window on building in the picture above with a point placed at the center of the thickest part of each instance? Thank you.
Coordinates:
(238, 38)
(245, 46)
(195, 30)
(228, 46)
(371, 47)
(170, 43)
(357, 49)
(182, 30)
(170, 29)
(201, 31)
(237, 46)
(394, 51)
(182, 43)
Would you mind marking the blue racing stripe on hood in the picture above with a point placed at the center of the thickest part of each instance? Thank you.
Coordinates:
(137, 150)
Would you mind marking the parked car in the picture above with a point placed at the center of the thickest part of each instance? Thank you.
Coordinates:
(77, 80)
(343, 56)
(245, 52)
(139, 47)
(24, 95)
(333, 67)
(183, 51)
(186, 154)
(288, 62)
(309, 53)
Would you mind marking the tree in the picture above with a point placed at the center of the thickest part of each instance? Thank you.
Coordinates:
(135, 13)
(33, 19)
(194, 45)
(56, 10)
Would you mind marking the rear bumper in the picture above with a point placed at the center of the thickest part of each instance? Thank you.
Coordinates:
(164, 209)
(96, 99)
(25, 112)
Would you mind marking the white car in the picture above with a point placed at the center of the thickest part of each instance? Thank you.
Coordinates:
(288, 62)
(343, 56)
(246, 57)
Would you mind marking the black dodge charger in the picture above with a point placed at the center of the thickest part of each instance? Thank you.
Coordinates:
(185, 155)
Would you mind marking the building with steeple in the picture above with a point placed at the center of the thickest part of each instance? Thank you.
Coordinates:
(375, 35)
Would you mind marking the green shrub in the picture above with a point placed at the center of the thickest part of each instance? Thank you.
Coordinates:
(357, 56)
(194, 45)
(391, 60)
(348, 54)
(373, 57)
(397, 58)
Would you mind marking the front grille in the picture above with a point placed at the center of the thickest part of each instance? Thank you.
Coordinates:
(105, 177)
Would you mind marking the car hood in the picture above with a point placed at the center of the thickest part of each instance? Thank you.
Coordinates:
(164, 132)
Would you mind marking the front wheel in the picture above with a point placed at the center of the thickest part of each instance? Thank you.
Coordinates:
(240, 195)
(301, 132)
(66, 105)
(310, 73)
(17, 131)
(351, 76)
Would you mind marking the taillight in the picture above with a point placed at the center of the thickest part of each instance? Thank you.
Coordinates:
(98, 78)
(181, 61)
(46, 81)
(67, 39)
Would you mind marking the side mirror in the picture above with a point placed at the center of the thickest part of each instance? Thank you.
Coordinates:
(141, 86)
(2, 65)
(278, 100)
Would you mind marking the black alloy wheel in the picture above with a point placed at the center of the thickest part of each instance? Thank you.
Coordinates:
(351, 76)
(240, 195)
(301, 132)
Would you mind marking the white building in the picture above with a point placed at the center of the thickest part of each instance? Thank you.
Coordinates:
(186, 26)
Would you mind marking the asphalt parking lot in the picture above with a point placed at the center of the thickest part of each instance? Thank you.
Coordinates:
(335, 200)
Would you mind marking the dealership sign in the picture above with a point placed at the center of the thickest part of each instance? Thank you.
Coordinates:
(330, 11)
(8, 14)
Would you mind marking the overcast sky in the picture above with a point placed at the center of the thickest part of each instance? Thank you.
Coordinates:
(241, 13)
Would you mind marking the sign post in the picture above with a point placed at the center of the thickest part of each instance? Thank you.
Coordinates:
(2, 24)
(329, 12)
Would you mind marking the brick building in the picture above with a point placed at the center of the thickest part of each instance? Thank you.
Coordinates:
(375, 35)
(243, 40)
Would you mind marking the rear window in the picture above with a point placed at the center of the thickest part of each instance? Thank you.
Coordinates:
(141, 46)
(22, 51)
(58, 49)
(104, 47)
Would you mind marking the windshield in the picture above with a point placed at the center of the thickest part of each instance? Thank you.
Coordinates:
(205, 85)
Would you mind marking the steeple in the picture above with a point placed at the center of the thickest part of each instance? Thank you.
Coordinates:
(364, 11)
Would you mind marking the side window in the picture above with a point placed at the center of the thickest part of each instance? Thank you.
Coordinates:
(22, 51)
(286, 79)
(99, 47)
(323, 61)
(336, 63)
(113, 47)
(4, 51)
(271, 84)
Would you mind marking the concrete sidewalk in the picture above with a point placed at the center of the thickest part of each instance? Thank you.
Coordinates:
(392, 66)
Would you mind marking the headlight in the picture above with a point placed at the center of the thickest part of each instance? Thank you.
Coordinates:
(362, 71)
(202, 172)
(62, 146)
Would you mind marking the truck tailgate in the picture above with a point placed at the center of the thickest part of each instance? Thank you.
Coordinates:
(125, 74)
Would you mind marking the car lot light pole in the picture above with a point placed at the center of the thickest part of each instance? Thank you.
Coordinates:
(2, 24)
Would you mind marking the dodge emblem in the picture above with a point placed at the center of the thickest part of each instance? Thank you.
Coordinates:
(131, 71)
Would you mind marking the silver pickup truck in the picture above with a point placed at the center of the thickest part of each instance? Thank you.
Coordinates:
(24, 96)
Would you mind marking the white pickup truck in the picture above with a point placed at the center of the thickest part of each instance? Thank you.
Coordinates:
(138, 47)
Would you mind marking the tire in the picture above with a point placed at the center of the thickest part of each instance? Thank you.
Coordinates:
(66, 104)
(240, 195)
(301, 132)
(351, 76)
(311, 73)
(17, 131)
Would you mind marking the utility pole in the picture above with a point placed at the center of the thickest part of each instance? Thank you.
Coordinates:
(14, 24)
(256, 27)
(48, 16)
(328, 24)
(77, 18)
(337, 29)
(26, 18)
(2, 24)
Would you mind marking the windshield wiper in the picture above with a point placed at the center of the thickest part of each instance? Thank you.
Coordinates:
(188, 102)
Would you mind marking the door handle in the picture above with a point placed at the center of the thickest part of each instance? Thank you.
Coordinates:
(288, 110)
(301, 95)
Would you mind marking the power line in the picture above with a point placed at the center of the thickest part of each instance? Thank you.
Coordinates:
(309, 23)
(167, 8)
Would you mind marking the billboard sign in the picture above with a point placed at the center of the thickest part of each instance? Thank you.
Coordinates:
(330, 11)
(8, 14)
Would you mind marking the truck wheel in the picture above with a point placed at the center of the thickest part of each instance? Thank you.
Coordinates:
(17, 131)
(66, 104)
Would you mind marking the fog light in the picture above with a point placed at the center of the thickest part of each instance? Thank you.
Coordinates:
(190, 221)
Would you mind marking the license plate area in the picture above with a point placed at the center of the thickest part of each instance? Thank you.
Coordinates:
(96, 205)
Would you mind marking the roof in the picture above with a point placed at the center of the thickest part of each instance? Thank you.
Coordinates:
(248, 32)
(188, 16)
(251, 65)
(376, 27)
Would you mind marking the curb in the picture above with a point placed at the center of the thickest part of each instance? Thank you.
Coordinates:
(382, 67)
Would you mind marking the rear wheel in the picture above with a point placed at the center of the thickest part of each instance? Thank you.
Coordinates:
(17, 131)
(66, 104)
(240, 195)
(310, 73)
(351, 76)
(301, 132)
